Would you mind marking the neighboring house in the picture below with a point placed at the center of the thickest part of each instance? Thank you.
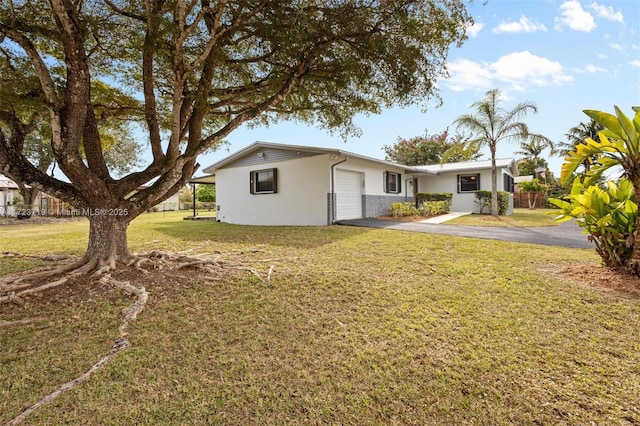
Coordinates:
(9, 192)
(12, 204)
(170, 204)
(277, 184)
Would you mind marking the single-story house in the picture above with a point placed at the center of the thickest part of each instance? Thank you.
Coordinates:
(9, 192)
(278, 184)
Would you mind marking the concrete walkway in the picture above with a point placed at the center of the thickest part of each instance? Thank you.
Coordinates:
(445, 217)
(567, 234)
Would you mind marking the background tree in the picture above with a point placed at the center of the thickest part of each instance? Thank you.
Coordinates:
(491, 124)
(578, 135)
(206, 193)
(534, 188)
(432, 149)
(531, 167)
(534, 148)
(201, 71)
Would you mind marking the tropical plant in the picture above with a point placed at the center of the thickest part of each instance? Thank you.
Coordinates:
(609, 215)
(492, 124)
(533, 188)
(618, 145)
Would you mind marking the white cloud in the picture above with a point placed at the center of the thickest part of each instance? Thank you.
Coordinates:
(524, 25)
(575, 17)
(525, 68)
(473, 30)
(593, 69)
(635, 63)
(616, 46)
(607, 13)
(519, 70)
(466, 74)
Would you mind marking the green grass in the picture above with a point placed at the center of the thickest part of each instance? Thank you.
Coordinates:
(519, 218)
(358, 326)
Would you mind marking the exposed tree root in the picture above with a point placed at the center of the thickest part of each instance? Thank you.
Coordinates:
(16, 322)
(129, 314)
(14, 288)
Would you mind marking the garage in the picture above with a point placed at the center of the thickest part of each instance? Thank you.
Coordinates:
(348, 194)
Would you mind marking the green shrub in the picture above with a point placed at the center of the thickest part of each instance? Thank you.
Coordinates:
(483, 199)
(403, 209)
(432, 208)
(428, 208)
(433, 196)
(608, 215)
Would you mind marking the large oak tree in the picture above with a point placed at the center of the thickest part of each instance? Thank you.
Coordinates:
(200, 70)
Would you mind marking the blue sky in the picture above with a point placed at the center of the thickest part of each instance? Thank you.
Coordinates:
(565, 56)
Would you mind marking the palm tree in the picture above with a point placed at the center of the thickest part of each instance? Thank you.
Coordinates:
(534, 149)
(492, 124)
(577, 136)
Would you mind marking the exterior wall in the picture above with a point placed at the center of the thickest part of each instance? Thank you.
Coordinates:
(378, 205)
(464, 201)
(301, 198)
(303, 190)
(375, 201)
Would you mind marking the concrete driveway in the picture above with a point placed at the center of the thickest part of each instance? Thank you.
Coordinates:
(566, 234)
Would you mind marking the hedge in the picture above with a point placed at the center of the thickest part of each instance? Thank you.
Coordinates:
(483, 199)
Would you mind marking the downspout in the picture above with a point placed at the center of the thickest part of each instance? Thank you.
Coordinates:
(333, 191)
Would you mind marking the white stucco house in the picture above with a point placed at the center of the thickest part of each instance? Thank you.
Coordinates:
(278, 184)
(9, 192)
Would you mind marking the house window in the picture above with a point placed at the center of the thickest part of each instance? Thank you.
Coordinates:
(469, 183)
(508, 183)
(392, 182)
(264, 181)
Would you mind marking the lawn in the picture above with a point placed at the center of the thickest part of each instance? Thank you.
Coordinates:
(357, 326)
(520, 217)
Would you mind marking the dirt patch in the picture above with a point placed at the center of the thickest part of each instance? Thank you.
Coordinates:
(500, 219)
(594, 275)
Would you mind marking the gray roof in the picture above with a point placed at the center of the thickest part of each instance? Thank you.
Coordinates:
(426, 169)
(307, 149)
(508, 163)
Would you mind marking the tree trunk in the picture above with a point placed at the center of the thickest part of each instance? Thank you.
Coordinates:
(108, 237)
(494, 183)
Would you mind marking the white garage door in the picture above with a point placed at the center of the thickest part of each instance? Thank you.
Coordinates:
(348, 195)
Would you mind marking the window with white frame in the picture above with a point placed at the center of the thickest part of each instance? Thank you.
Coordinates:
(469, 182)
(263, 181)
(392, 182)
